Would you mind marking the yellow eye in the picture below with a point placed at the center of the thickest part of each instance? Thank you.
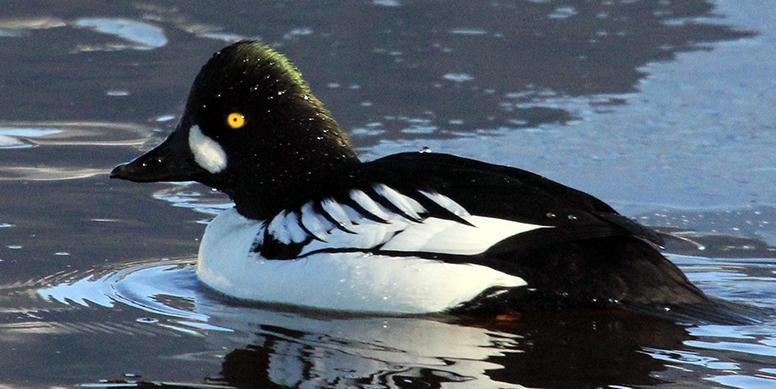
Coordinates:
(235, 120)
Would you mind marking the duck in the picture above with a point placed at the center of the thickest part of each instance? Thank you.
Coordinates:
(315, 227)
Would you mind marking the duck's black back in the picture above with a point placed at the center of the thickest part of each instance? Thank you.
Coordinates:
(507, 193)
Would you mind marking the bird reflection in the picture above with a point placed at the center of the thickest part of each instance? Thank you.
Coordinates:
(569, 349)
(269, 346)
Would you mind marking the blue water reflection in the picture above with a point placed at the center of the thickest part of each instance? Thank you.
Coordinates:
(141, 35)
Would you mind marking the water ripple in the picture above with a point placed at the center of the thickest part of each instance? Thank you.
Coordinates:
(66, 137)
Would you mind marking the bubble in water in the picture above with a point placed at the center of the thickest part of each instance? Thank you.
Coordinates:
(147, 320)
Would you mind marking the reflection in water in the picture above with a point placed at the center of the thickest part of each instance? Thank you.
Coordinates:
(143, 36)
(46, 173)
(257, 345)
(16, 27)
(77, 133)
(135, 34)
(500, 66)
(13, 137)
(545, 351)
(437, 62)
(288, 348)
(63, 139)
(357, 351)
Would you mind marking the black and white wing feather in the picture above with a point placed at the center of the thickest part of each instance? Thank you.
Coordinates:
(440, 206)
(382, 219)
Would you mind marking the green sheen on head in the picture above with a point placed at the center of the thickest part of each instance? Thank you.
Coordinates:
(251, 77)
(245, 61)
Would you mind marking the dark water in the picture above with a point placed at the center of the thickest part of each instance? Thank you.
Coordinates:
(665, 109)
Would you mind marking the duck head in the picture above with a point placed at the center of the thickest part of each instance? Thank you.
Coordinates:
(251, 129)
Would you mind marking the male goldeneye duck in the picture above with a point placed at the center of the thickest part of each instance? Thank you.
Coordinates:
(409, 233)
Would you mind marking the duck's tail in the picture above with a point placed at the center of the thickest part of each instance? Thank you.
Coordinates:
(616, 272)
(712, 310)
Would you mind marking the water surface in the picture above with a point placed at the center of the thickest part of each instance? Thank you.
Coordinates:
(661, 108)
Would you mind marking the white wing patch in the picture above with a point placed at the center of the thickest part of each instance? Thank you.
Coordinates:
(451, 237)
(315, 222)
(406, 204)
(291, 224)
(286, 229)
(407, 232)
(366, 202)
(278, 229)
(337, 212)
(446, 202)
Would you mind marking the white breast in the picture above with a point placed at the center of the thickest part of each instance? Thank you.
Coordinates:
(352, 281)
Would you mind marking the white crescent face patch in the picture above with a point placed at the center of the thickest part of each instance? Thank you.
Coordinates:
(207, 153)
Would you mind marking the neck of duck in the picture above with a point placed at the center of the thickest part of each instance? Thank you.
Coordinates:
(288, 173)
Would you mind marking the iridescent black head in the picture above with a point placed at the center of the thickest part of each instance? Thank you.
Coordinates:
(252, 129)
